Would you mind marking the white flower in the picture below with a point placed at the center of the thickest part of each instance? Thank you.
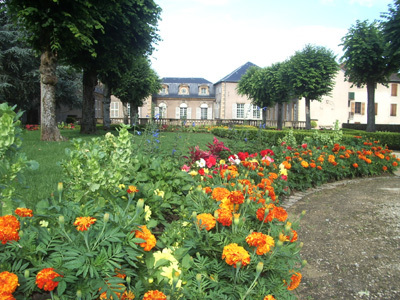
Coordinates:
(201, 163)
(44, 223)
(147, 213)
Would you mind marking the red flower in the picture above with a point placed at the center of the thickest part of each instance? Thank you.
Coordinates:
(44, 279)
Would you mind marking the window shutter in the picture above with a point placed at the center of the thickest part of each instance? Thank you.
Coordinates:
(351, 96)
(139, 112)
(157, 112)
(209, 113)
(394, 89)
(234, 111)
(376, 109)
(177, 113)
(363, 108)
(353, 107)
(198, 113)
(189, 113)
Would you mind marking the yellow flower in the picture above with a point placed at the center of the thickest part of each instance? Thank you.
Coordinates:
(159, 193)
(122, 186)
(147, 213)
(193, 173)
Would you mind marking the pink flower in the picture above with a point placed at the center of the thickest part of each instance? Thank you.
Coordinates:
(211, 161)
(185, 168)
(284, 177)
(304, 146)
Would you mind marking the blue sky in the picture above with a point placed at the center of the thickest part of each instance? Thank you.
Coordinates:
(211, 38)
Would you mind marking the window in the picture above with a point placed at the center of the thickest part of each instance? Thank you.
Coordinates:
(164, 89)
(184, 89)
(256, 111)
(114, 110)
(357, 109)
(393, 110)
(162, 110)
(203, 91)
(183, 111)
(240, 110)
(394, 89)
(204, 113)
(351, 96)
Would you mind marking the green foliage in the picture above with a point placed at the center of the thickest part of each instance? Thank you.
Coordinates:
(12, 161)
(391, 30)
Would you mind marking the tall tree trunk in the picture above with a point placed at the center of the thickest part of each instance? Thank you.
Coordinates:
(88, 123)
(280, 116)
(48, 80)
(125, 112)
(371, 107)
(264, 115)
(308, 117)
(134, 114)
(106, 107)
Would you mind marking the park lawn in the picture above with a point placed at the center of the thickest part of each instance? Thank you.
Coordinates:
(41, 183)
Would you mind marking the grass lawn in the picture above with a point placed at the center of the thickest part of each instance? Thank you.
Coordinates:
(42, 182)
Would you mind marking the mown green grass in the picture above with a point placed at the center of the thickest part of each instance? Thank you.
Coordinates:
(41, 183)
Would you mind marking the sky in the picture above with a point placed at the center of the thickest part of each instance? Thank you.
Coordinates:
(211, 38)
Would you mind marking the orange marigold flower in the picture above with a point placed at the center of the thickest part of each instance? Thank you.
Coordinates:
(207, 190)
(286, 164)
(304, 164)
(233, 254)
(262, 241)
(313, 165)
(145, 234)
(206, 221)
(236, 197)
(132, 189)
(8, 282)
(6, 296)
(44, 279)
(269, 297)
(272, 176)
(295, 281)
(24, 212)
(154, 295)
(224, 216)
(9, 227)
(227, 204)
(319, 167)
(83, 223)
(220, 193)
(395, 164)
(283, 237)
(292, 238)
(279, 213)
(384, 168)
(355, 165)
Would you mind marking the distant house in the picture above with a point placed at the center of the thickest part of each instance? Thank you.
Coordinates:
(202, 102)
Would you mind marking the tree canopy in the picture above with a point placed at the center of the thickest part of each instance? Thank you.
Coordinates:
(312, 72)
(391, 30)
(366, 61)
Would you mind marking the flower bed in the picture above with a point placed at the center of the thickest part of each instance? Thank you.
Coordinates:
(131, 224)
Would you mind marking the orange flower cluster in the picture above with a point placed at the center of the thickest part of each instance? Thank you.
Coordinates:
(304, 164)
(263, 242)
(236, 197)
(269, 297)
(9, 227)
(126, 295)
(220, 193)
(224, 216)
(274, 212)
(44, 279)
(83, 223)
(145, 234)
(233, 254)
(294, 281)
(8, 285)
(206, 221)
(24, 212)
(154, 295)
(232, 172)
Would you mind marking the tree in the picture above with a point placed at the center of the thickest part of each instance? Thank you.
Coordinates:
(366, 61)
(129, 31)
(136, 85)
(54, 29)
(391, 31)
(312, 72)
(267, 86)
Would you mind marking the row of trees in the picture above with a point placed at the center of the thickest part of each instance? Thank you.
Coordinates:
(371, 55)
(106, 40)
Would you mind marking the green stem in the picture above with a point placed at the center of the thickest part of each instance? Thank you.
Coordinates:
(85, 237)
(251, 287)
(100, 235)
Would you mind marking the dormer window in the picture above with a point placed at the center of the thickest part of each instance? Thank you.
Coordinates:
(203, 90)
(164, 89)
(184, 89)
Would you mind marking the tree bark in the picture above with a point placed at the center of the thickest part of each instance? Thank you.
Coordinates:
(88, 123)
(48, 80)
(125, 113)
(264, 115)
(308, 117)
(280, 116)
(371, 107)
(106, 107)
(134, 114)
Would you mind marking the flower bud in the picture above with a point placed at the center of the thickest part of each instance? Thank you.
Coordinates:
(140, 204)
(79, 294)
(26, 274)
(304, 262)
(60, 187)
(175, 278)
(279, 243)
(303, 212)
(301, 245)
(288, 227)
(150, 280)
(106, 217)
(259, 267)
(21, 233)
(128, 279)
(194, 215)
(238, 265)
(198, 277)
(61, 220)
(236, 219)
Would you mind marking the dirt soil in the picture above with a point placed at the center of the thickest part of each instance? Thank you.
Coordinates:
(351, 236)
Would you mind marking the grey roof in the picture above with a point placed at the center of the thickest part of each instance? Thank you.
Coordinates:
(185, 80)
(237, 74)
(394, 78)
